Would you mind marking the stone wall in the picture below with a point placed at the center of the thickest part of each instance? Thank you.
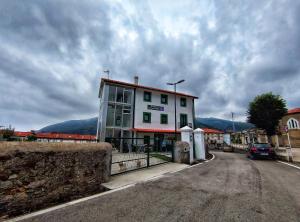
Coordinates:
(38, 175)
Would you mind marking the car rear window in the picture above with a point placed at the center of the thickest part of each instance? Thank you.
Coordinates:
(262, 145)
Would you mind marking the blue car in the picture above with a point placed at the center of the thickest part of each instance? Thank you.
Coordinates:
(260, 150)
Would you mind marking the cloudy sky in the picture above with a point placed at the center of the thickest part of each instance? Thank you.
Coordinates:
(53, 53)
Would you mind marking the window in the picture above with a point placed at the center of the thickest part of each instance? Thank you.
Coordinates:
(112, 93)
(147, 96)
(126, 116)
(183, 102)
(163, 118)
(293, 124)
(183, 120)
(127, 96)
(164, 99)
(110, 115)
(119, 95)
(146, 117)
(146, 139)
(118, 115)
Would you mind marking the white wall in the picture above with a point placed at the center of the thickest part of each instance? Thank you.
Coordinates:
(141, 106)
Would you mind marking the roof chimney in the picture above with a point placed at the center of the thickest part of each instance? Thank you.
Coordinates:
(136, 80)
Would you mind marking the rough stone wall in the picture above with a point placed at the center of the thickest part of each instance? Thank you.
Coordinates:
(37, 175)
(181, 152)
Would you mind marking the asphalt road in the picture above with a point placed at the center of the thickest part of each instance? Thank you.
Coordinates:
(229, 188)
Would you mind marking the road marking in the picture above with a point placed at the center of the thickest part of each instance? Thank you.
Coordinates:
(288, 164)
(40, 212)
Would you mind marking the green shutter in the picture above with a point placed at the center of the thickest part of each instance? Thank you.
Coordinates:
(163, 118)
(146, 117)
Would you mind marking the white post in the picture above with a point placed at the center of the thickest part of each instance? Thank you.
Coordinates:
(289, 150)
(199, 144)
(187, 136)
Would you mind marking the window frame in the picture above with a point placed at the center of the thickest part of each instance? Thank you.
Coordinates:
(161, 118)
(293, 123)
(161, 98)
(146, 113)
(187, 121)
(185, 102)
(150, 96)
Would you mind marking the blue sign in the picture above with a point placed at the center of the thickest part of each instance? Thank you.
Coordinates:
(158, 108)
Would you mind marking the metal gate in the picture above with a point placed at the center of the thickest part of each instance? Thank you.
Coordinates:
(135, 153)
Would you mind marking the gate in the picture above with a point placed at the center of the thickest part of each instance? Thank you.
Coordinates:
(136, 153)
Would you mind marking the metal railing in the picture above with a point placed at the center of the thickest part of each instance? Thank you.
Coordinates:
(136, 153)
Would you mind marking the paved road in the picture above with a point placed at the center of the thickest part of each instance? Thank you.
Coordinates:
(229, 188)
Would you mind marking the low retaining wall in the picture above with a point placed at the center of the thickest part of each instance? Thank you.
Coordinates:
(37, 175)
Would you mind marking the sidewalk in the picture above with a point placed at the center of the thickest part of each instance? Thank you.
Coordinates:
(282, 153)
(141, 175)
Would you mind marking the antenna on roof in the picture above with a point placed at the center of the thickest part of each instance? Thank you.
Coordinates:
(107, 72)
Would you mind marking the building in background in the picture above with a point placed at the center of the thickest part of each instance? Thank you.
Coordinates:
(213, 136)
(290, 124)
(248, 136)
(55, 137)
(131, 110)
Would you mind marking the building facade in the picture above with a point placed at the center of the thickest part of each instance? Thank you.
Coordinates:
(289, 126)
(130, 110)
(213, 136)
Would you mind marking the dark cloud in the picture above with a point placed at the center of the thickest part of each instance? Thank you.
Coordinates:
(53, 53)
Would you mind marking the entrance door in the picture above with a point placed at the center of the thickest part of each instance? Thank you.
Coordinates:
(158, 140)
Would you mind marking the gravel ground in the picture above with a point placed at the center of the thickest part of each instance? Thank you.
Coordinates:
(229, 188)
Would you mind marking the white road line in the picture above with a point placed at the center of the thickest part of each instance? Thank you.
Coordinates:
(94, 196)
(289, 164)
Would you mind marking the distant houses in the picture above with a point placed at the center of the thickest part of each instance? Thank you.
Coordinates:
(55, 137)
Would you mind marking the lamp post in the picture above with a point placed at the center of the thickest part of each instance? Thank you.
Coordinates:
(175, 84)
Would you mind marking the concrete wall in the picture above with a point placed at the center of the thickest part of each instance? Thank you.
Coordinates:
(141, 106)
(37, 175)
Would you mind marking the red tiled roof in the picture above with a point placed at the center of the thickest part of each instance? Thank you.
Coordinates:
(57, 136)
(146, 87)
(293, 111)
(154, 130)
(22, 134)
(208, 130)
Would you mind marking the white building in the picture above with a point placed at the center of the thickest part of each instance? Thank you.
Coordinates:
(130, 110)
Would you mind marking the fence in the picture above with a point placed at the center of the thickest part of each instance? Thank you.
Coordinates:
(136, 153)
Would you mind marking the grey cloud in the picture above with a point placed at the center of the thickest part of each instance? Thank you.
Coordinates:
(54, 51)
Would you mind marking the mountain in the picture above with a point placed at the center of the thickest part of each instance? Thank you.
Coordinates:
(89, 126)
(84, 127)
(222, 124)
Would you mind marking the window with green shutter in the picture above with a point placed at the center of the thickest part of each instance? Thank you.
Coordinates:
(163, 118)
(183, 120)
(183, 102)
(147, 96)
(164, 99)
(146, 117)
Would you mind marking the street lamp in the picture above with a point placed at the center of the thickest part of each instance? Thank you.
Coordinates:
(174, 84)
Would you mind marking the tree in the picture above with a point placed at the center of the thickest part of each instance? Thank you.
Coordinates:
(7, 133)
(265, 111)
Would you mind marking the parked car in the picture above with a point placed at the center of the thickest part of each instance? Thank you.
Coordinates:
(260, 150)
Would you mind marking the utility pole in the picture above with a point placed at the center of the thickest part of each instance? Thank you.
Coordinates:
(175, 98)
